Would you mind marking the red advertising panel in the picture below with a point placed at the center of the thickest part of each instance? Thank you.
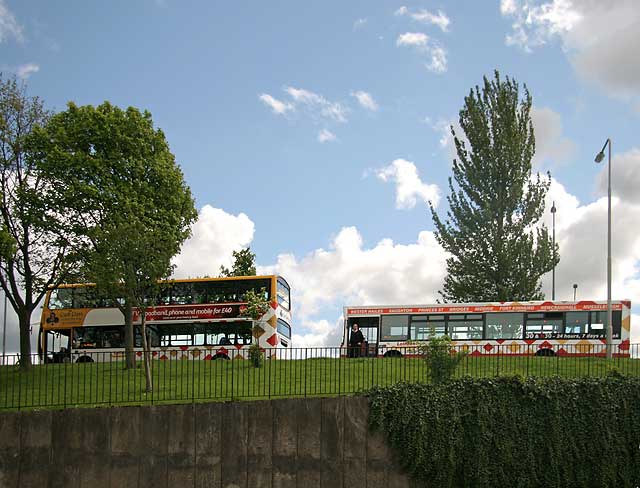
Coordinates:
(191, 312)
(510, 307)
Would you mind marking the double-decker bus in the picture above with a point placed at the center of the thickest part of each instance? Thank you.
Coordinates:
(542, 328)
(192, 318)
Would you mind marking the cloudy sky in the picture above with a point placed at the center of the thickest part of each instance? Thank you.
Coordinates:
(315, 132)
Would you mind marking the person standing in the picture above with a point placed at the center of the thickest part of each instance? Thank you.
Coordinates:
(356, 340)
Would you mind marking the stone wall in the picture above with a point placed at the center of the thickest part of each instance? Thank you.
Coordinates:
(306, 443)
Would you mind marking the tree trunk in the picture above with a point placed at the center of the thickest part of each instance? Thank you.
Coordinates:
(147, 353)
(130, 355)
(24, 318)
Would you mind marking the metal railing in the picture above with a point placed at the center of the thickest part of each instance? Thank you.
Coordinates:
(188, 376)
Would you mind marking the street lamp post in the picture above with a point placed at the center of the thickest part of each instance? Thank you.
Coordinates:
(553, 271)
(599, 159)
(575, 288)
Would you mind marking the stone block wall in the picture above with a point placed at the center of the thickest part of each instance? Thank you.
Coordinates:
(305, 443)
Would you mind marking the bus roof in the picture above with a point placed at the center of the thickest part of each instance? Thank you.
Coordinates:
(531, 306)
(181, 280)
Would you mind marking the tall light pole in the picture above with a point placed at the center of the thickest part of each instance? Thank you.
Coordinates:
(553, 272)
(575, 288)
(599, 159)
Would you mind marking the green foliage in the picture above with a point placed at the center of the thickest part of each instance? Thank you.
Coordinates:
(513, 432)
(257, 305)
(499, 249)
(441, 358)
(32, 256)
(244, 264)
(116, 186)
(256, 355)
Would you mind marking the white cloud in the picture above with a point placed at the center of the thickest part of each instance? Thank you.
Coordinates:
(409, 186)
(26, 70)
(420, 41)
(597, 36)
(417, 39)
(625, 175)
(326, 136)
(318, 104)
(424, 16)
(276, 105)
(216, 235)
(552, 145)
(507, 7)
(535, 24)
(359, 23)
(438, 62)
(581, 232)
(349, 273)
(365, 100)
(9, 27)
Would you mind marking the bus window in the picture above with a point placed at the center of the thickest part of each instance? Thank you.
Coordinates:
(86, 338)
(200, 292)
(577, 323)
(505, 325)
(394, 327)
(284, 328)
(284, 294)
(182, 294)
(544, 324)
(423, 327)
(61, 298)
(599, 323)
(463, 327)
(113, 337)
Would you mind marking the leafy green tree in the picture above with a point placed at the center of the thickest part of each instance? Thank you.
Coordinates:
(117, 187)
(32, 256)
(499, 249)
(244, 264)
(257, 306)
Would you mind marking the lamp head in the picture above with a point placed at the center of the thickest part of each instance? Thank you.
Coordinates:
(600, 157)
(553, 207)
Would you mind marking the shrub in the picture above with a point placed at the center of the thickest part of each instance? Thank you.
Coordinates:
(441, 357)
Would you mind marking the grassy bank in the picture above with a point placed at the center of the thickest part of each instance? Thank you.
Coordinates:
(93, 384)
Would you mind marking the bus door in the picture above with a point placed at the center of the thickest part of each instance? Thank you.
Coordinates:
(57, 346)
(369, 327)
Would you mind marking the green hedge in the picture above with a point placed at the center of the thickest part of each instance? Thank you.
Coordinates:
(510, 432)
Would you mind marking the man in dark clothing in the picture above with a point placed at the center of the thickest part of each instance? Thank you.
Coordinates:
(355, 342)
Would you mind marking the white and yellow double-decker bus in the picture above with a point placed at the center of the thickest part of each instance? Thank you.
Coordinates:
(542, 328)
(192, 318)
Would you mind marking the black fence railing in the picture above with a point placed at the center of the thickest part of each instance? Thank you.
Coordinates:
(188, 376)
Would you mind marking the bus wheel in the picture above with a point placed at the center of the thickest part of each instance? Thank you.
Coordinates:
(545, 352)
(393, 354)
(220, 356)
(84, 359)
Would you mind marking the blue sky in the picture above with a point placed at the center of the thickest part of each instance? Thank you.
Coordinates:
(287, 118)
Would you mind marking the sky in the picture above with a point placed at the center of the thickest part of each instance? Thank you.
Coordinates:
(316, 132)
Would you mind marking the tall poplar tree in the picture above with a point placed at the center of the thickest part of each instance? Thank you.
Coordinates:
(499, 248)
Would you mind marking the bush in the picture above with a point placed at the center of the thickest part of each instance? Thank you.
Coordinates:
(256, 355)
(441, 357)
(512, 432)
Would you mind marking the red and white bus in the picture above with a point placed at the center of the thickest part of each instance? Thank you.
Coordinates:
(194, 319)
(540, 328)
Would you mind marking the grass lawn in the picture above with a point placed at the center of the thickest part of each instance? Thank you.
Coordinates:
(180, 381)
